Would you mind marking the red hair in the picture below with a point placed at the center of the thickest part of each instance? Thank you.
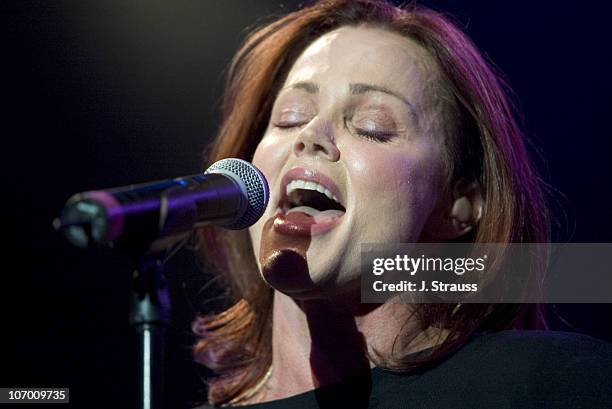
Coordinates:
(483, 143)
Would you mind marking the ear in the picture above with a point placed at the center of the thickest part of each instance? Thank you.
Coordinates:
(456, 214)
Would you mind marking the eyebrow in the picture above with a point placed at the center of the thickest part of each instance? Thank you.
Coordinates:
(355, 89)
(361, 88)
(309, 87)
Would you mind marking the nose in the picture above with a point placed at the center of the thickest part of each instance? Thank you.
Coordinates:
(317, 140)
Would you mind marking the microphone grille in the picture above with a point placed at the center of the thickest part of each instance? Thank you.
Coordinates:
(255, 184)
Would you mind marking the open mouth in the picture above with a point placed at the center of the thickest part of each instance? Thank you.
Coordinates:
(311, 198)
(311, 203)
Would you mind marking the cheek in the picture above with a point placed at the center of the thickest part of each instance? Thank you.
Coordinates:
(270, 156)
(400, 185)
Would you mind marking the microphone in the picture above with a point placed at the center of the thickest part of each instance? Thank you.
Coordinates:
(232, 193)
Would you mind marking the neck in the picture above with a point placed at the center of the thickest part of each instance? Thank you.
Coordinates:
(318, 342)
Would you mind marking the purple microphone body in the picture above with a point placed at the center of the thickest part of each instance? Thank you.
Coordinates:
(232, 193)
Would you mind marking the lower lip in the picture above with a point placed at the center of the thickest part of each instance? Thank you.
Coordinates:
(295, 225)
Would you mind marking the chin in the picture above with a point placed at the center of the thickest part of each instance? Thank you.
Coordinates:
(318, 281)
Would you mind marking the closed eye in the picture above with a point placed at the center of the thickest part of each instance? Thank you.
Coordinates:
(288, 125)
(375, 135)
(290, 118)
(378, 136)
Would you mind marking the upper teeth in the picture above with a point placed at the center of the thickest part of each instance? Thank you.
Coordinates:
(308, 185)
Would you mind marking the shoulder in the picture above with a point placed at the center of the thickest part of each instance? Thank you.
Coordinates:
(540, 347)
(553, 368)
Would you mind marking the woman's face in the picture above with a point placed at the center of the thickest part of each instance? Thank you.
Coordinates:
(353, 154)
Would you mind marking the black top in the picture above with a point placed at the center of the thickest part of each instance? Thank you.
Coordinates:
(508, 369)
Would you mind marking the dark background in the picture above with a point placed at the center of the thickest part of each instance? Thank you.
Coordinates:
(108, 93)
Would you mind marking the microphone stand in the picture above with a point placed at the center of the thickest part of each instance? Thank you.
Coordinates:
(149, 316)
(143, 221)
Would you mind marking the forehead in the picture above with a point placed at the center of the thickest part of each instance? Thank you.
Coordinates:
(367, 55)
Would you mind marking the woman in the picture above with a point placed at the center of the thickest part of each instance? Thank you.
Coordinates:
(375, 124)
